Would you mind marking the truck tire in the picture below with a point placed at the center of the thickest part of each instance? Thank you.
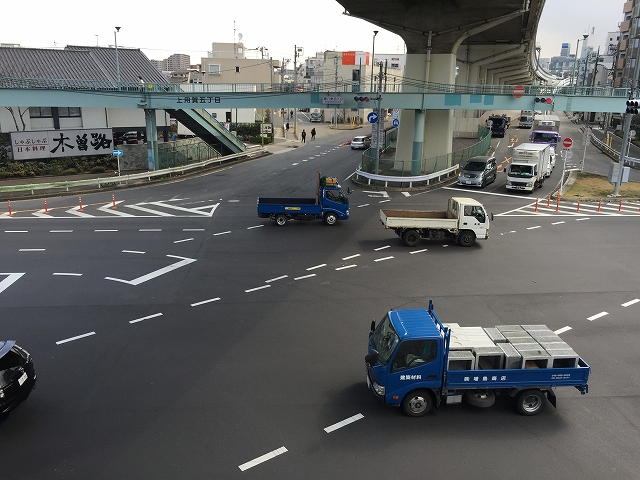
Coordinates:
(530, 402)
(417, 403)
(330, 218)
(281, 220)
(411, 237)
(479, 398)
(466, 238)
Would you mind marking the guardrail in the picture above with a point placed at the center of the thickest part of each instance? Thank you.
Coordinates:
(101, 182)
(612, 153)
(386, 179)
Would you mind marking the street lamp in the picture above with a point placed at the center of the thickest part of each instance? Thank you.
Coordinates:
(373, 53)
(115, 36)
(575, 60)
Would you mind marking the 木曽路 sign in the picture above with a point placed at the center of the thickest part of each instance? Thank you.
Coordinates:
(61, 143)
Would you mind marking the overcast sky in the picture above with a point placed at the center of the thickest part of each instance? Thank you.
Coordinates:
(276, 25)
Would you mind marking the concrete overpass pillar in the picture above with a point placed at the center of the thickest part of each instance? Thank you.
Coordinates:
(438, 124)
(418, 141)
(152, 138)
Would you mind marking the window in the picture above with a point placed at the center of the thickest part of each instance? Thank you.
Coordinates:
(413, 353)
(40, 112)
(214, 69)
(68, 112)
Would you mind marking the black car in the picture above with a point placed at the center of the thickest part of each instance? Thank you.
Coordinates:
(17, 376)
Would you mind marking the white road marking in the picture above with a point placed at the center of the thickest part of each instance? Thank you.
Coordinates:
(631, 302)
(263, 458)
(76, 211)
(580, 219)
(185, 240)
(132, 251)
(193, 229)
(562, 330)
(275, 279)
(406, 194)
(351, 256)
(596, 316)
(418, 251)
(60, 342)
(149, 276)
(257, 288)
(40, 213)
(381, 259)
(150, 230)
(205, 301)
(381, 248)
(31, 250)
(16, 231)
(317, 266)
(105, 230)
(363, 205)
(557, 223)
(346, 266)
(148, 210)
(255, 226)
(221, 233)
(376, 194)
(383, 201)
(67, 274)
(343, 423)
(60, 231)
(108, 208)
(198, 210)
(233, 201)
(533, 228)
(145, 318)
(305, 276)
(11, 277)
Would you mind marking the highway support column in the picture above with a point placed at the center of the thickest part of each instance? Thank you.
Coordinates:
(152, 138)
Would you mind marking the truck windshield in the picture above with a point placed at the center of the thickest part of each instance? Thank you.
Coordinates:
(544, 137)
(523, 171)
(384, 339)
(336, 196)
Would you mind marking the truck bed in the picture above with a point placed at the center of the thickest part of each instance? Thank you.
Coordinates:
(292, 206)
(293, 201)
(417, 219)
(519, 378)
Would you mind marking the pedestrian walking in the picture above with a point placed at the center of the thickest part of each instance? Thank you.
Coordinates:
(304, 136)
(287, 126)
(313, 133)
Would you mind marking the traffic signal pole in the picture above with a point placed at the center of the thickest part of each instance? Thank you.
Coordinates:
(627, 126)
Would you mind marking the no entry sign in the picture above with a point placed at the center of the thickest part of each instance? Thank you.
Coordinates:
(518, 91)
(567, 142)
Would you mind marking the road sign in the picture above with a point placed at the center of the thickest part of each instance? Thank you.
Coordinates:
(372, 117)
(395, 122)
(117, 153)
(567, 142)
(518, 91)
(396, 113)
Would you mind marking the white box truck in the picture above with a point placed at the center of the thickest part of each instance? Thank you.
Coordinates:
(530, 163)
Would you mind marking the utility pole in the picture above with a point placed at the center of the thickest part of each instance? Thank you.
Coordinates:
(335, 108)
(377, 124)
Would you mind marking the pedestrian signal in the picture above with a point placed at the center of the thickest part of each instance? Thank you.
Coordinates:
(632, 106)
(361, 99)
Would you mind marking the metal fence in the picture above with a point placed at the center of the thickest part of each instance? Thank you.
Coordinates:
(172, 155)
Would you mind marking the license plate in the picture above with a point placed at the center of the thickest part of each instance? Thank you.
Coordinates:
(23, 378)
(467, 181)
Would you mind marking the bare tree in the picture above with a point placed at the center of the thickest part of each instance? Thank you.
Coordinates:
(20, 115)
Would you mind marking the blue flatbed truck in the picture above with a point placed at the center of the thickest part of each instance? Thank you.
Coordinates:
(415, 361)
(330, 204)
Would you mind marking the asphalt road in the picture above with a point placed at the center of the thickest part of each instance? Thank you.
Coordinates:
(205, 342)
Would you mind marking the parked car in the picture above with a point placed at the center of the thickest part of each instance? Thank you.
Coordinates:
(478, 171)
(360, 142)
(130, 137)
(17, 376)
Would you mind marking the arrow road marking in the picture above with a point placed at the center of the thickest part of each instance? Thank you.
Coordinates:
(149, 276)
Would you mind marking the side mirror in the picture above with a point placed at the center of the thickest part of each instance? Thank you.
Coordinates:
(372, 358)
(373, 325)
(491, 216)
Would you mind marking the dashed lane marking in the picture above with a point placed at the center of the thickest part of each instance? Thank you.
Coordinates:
(346, 267)
(562, 330)
(596, 316)
(77, 337)
(631, 302)
(346, 421)
(256, 288)
(205, 301)
(145, 318)
(263, 458)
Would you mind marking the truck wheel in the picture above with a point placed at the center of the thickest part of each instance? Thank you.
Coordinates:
(281, 220)
(480, 399)
(411, 238)
(530, 402)
(330, 218)
(466, 238)
(417, 403)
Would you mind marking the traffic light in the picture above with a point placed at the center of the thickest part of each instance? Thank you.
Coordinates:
(632, 106)
(547, 100)
(361, 99)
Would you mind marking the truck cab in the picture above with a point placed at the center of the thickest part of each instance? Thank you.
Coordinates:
(406, 352)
